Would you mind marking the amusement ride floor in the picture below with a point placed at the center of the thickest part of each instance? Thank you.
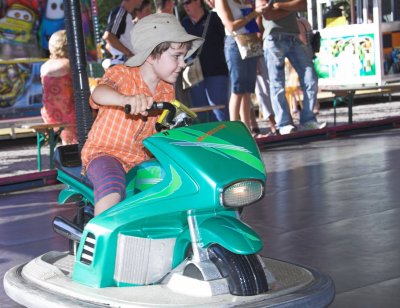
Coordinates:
(332, 205)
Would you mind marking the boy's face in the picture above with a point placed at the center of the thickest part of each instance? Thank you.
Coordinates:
(170, 63)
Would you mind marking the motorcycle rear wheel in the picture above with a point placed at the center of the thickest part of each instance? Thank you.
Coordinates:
(244, 273)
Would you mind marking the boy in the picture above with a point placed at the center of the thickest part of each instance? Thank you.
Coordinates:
(114, 145)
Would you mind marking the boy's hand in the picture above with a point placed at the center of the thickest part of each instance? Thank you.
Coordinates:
(139, 104)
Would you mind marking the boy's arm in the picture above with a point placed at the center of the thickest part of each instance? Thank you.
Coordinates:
(107, 96)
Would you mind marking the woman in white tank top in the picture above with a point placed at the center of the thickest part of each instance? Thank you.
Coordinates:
(236, 15)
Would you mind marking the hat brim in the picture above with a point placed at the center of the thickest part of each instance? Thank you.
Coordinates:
(140, 58)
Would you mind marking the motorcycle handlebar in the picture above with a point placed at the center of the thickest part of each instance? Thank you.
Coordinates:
(159, 106)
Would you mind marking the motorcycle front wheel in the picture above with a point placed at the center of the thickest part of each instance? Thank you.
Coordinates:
(244, 273)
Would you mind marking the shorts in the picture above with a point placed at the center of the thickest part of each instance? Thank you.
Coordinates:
(242, 73)
(107, 176)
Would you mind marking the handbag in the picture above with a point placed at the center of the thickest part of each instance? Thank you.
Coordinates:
(315, 41)
(313, 38)
(249, 45)
(192, 74)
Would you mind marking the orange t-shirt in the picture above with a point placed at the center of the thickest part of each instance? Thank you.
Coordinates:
(117, 134)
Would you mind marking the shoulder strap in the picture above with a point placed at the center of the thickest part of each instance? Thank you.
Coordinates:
(204, 33)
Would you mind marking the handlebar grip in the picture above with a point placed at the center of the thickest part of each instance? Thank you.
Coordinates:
(155, 106)
(127, 109)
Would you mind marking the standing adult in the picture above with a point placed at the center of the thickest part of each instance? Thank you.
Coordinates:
(118, 42)
(281, 40)
(214, 89)
(58, 97)
(242, 72)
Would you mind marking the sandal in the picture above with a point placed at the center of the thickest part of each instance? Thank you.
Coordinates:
(256, 135)
(273, 133)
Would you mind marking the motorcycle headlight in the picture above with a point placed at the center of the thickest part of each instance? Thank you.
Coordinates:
(242, 193)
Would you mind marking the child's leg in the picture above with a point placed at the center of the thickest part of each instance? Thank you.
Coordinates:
(108, 179)
(106, 202)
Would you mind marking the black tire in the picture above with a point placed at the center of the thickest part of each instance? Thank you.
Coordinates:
(244, 273)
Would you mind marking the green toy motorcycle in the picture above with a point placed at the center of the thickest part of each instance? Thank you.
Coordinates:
(180, 216)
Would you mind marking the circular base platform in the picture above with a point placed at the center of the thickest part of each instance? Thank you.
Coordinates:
(46, 282)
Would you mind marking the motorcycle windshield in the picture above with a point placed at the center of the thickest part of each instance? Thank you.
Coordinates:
(218, 152)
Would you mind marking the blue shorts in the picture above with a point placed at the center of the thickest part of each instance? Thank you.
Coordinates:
(107, 176)
(242, 73)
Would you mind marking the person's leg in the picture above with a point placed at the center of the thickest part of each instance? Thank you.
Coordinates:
(233, 62)
(262, 93)
(245, 110)
(274, 53)
(106, 202)
(217, 92)
(254, 128)
(245, 84)
(262, 89)
(304, 67)
(108, 179)
(234, 106)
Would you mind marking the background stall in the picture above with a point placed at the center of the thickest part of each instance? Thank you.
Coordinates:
(360, 41)
(25, 28)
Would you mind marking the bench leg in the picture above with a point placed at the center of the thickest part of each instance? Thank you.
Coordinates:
(40, 139)
(334, 111)
(52, 144)
(350, 106)
(53, 139)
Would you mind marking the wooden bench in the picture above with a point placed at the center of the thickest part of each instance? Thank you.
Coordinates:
(346, 94)
(12, 128)
(207, 110)
(49, 133)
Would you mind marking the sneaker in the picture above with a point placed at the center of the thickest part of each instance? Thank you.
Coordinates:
(313, 125)
(287, 129)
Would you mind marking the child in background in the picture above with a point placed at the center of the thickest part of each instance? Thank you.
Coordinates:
(58, 99)
(114, 145)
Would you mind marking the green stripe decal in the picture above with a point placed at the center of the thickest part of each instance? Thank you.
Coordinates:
(190, 137)
(173, 186)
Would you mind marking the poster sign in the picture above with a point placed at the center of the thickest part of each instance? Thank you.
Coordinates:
(347, 58)
(25, 29)
(20, 88)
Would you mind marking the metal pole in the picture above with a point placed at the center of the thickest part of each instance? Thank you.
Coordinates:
(77, 58)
